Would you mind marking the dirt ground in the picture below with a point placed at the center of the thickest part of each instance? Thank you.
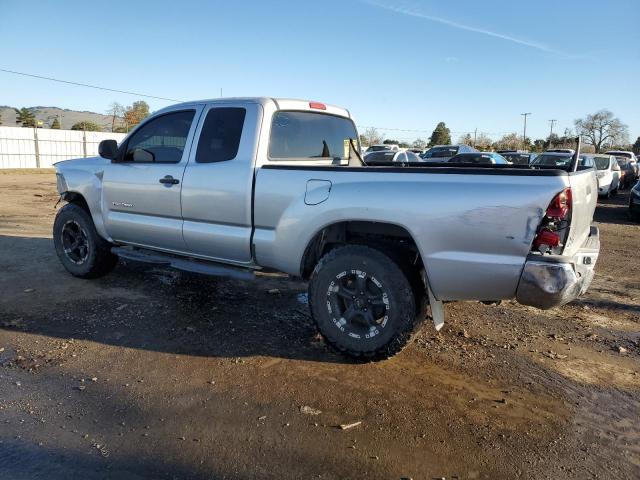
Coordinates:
(153, 373)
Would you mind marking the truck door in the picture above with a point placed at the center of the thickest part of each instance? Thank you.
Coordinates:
(218, 183)
(141, 189)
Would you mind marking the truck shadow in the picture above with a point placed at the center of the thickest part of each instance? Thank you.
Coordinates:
(148, 307)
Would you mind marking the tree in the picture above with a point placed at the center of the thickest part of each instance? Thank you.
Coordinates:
(371, 136)
(466, 139)
(135, 113)
(25, 117)
(538, 145)
(404, 145)
(86, 126)
(419, 143)
(389, 141)
(602, 128)
(116, 111)
(0, 119)
(511, 141)
(440, 136)
(55, 125)
(635, 147)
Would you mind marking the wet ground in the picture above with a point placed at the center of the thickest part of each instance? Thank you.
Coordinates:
(152, 373)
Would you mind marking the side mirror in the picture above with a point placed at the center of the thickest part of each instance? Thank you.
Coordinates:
(108, 149)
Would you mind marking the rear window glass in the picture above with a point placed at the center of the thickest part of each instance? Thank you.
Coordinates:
(309, 135)
(441, 152)
(379, 157)
(517, 158)
(471, 158)
(602, 163)
(220, 136)
(553, 160)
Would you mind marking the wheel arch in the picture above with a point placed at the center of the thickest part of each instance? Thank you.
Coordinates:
(391, 239)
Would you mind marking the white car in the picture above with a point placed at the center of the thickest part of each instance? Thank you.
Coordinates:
(608, 173)
(381, 148)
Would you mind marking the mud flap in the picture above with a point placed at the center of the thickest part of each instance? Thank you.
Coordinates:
(437, 310)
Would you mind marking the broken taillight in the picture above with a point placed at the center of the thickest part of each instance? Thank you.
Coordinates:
(554, 229)
(560, 206)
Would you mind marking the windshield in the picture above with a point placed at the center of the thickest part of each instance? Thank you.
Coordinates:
(441, 152)
(311, 136)
(602, 163)
(553, 160)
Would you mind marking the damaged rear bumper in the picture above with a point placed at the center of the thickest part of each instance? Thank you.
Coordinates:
(551, 281)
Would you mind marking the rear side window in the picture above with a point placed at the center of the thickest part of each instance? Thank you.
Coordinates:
(220, 136)
(310, 136)
(160, 140)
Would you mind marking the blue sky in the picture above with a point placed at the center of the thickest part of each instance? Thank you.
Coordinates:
(403, 64)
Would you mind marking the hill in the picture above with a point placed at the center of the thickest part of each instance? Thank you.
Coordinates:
(66, 117)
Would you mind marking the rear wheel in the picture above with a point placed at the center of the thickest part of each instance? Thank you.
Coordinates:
(362, 302)
(81, 250)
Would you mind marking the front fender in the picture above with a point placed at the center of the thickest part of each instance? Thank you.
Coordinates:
(84, 177)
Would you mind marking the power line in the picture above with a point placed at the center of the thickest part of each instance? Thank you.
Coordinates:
(87, 85)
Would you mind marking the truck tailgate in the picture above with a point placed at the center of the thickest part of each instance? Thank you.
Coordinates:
(584, 194)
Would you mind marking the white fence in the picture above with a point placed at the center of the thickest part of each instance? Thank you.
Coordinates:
(22, 147)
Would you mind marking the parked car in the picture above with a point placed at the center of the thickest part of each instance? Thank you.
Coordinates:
(627, 173)
(389, 156)
(631, 157)
(232, 186)
(480, 158)
(608, 173)
(381, 148)
(519, 158)
(634, 202)
(442, 153)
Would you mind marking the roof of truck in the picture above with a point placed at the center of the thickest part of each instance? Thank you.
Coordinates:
(281, 103)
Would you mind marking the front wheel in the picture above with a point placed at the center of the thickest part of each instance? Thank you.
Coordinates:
(362, 302)
(81, 250)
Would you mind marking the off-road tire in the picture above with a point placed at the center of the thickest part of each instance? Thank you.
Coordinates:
(402, 320)
(98, 259)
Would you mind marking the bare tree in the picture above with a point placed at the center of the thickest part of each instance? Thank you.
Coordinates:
(372, 136)
(116, 111)
(466, 139)
(419, 143)
(602, 128)
(510, 141)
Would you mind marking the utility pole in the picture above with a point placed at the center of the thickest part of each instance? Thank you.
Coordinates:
(552, 122)
(475, 136)
(524, 135)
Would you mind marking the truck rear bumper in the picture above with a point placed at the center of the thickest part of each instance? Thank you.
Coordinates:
(550, 281)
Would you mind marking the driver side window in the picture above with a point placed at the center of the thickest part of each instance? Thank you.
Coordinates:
(160, 140)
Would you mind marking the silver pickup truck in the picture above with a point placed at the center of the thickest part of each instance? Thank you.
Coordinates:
(232, 186)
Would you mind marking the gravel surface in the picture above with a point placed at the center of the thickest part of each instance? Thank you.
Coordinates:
(154, 373)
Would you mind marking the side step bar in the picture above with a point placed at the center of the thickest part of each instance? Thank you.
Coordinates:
(180, 263)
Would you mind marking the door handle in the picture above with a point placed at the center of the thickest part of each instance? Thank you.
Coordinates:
(169, 180)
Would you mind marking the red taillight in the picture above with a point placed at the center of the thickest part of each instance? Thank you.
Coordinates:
(560, 206)
(317, 105)
(546, 237)
(554, 230)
